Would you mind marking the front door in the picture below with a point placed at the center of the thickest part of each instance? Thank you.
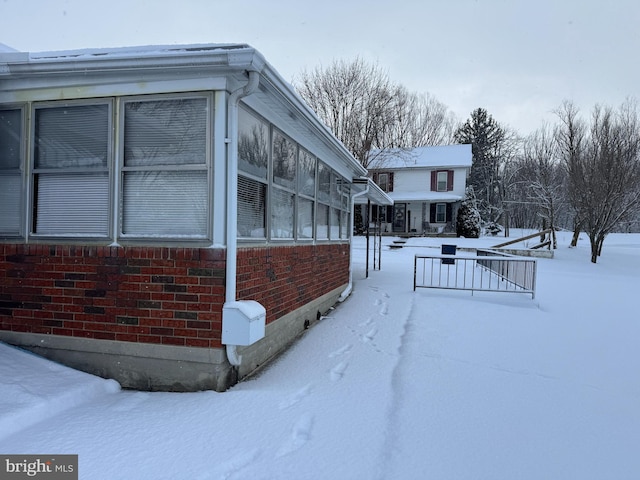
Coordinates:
(399, 217)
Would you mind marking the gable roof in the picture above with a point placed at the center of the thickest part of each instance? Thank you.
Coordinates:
(446, 156)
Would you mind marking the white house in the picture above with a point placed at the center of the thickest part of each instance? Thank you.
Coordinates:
(426, 184)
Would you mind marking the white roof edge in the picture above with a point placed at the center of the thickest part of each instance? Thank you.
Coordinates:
(240, 56)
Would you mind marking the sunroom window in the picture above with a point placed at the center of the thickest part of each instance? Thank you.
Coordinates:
(253, 163)
(284, 184)
(10, 171)
(306, 194)
(165, 173)
(71, 170)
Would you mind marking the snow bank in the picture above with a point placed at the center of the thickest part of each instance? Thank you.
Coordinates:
(34, 389)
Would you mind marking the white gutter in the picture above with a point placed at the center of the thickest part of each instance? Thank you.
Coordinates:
(347, 291)
(232, 198)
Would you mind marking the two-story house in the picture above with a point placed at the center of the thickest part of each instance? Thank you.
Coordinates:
(426, 184)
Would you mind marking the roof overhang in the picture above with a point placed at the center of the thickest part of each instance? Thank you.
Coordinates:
(93, 73)
(374, 193)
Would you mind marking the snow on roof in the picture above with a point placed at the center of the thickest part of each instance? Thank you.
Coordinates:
(424, 157)
(423, 197)
(10, 55)
(137, 51)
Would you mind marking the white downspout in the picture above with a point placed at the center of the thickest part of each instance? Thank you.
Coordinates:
(347, 291)
(232, 197)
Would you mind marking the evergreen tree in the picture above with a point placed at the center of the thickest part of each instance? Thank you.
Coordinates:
(489, 146)
(468, 222)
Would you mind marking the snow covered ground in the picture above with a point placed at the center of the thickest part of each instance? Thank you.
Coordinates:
(392, 384)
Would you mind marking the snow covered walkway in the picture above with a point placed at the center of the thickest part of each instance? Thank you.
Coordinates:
(391, 384)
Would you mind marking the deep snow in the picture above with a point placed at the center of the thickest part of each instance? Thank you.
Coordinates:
(392, 384)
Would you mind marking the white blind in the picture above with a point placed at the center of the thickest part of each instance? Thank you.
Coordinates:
(251, 208)
(323, 222)
(72, 204)
(10, 195)
(10, 175)
(282, 215)
(10, 133)
(72, 137)
(335, 224)
(305, 218)
(165, 203)
(165, 132)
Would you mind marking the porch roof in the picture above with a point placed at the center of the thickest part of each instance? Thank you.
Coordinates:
(375, 194)
(424, 197)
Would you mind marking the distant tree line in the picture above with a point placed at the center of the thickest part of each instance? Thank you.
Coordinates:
(581, 173)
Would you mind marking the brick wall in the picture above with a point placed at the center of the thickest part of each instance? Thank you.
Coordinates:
(285, 278)
(134, 294)
(156, 295)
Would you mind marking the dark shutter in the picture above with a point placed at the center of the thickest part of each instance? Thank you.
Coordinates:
(390, 182)
(432, 213)
(449, 212)
(449, 182)
(434, 181)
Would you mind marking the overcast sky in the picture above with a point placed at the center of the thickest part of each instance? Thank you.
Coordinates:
(518, 59)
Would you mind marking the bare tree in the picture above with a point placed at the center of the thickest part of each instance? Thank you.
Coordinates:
(603, 168)
(367, 112)
(546, 185)
(420, 120)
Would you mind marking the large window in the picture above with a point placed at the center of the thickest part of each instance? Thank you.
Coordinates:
(10, 171)
(285, 193)
(306, 194)
(253, 164)
(165, 171)
(71, 170)
(284, 185)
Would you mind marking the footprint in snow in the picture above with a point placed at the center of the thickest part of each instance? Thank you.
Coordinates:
(300, 435)
(296, 397)
(340, 351)
(370, 335)
(385, 309)
(337, 372)
(230, 467)
(368, 321)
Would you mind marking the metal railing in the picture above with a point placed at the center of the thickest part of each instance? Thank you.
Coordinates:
(487, 271)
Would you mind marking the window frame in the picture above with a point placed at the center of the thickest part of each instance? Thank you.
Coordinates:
(33, 170)
(258, 176)
(206, 167)
(441, 214)
(19, 170)
(441, 185)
